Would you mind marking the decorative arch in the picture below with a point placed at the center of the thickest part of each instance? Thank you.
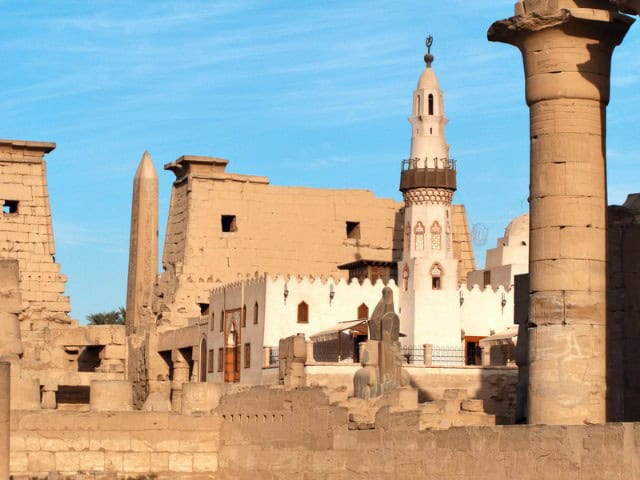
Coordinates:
(303, 312)
(255, 313)
(419, 230)
(436, 235)
(363, 312)
(437, 272)
(431, 104)
(405, 278)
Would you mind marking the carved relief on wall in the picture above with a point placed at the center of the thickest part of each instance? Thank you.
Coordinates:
(436, 236)
(419, 233)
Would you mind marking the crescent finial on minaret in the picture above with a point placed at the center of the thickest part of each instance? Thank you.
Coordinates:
(428, 58)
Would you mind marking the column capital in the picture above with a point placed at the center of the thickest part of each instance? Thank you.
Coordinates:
(566, 51)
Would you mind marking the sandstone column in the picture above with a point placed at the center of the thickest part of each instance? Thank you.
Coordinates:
(5, 383)
(567, 55)
(143, 247)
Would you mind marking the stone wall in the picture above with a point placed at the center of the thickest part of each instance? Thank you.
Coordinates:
(26, 231)
(129, 443)
(279, 433)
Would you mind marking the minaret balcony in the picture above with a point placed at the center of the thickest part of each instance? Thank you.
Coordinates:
(428, 173)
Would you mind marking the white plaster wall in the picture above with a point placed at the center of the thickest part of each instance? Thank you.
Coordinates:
(482, 310)
(436, 312)
(323, 314)
(279, 319)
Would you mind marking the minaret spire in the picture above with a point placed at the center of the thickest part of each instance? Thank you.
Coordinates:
(428, 58)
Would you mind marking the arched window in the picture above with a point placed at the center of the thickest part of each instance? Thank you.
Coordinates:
(436, 276)
(222, 320)
(212, 321)
(363, 312)
(405, 278)
(419, 232)
(436, 236)
(303, 312)
(430, 104)
(407, 236)
(255, 313)
(418, 106)
(244, 316)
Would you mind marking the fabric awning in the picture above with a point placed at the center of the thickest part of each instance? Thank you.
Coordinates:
(510, 334)
(359, 327)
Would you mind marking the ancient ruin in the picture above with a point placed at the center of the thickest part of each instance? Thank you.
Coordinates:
(269, 346)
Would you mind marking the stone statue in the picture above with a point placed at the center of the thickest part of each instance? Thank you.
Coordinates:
(381, 359)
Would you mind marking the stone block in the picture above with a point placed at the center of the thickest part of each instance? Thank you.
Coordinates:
(111, 396)
(41, 461)
(113, 352)
(205, 462)
(92, 461)
(19, 462)
(473, 405)
(136, 462)
(200, 397)
(67, 461)
(181, 462)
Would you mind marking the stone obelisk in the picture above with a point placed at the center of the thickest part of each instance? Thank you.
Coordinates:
(566, 47)
(143, 247)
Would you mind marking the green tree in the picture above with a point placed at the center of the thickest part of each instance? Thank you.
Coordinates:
(114, 317)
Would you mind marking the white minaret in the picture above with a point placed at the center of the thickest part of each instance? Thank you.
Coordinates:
(428, 272)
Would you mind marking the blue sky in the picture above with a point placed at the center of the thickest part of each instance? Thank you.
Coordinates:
(307, 93)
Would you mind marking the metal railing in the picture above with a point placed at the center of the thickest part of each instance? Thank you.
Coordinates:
(442, 355)
(274, 357)
(412, 355)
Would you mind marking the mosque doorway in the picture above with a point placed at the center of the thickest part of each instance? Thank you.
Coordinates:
(232, 346)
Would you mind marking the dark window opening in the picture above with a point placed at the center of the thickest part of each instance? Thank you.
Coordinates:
(229, 223)
(435, 283)
(486, 277)
(222, 320)
(247, 355)
(204, 311)
(244, 316)
(89, 358)
(303, 312)
(73, 394)
(430, 104)
(210, 362)
(353, 230)
(10, 206)
(255, 313)
(363, 312)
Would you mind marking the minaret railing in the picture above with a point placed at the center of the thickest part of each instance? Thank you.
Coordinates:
(428, 173)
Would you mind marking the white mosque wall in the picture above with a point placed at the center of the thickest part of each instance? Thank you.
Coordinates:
(485, 311)
(277, 316)
(325, 311)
